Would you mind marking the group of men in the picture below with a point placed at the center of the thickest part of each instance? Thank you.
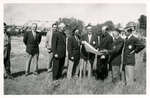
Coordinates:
(115, 54)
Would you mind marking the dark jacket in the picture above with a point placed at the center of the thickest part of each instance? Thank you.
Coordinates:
(32, 44)
(105, 42)
(131, 44)
(116, 51)
(93, 42)
(59, 44)
(7, 45)
(73, 48)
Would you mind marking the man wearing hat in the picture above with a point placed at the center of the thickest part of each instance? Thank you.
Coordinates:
(90, 38)
(7, 49)
(132, 45)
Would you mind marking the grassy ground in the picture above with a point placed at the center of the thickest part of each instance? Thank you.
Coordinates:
(43, 84)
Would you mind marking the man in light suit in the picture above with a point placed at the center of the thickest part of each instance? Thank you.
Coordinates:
(48, 45)
(90, 38)
(132, 45)
(32, 40)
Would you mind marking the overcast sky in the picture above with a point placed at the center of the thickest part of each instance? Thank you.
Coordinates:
(89, 13)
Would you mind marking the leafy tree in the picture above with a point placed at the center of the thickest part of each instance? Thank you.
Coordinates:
(71, 24)
(142, 22)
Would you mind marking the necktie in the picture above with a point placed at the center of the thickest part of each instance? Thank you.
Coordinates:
(89, 36)
(77, 39)
(34, 34)
(66, 46)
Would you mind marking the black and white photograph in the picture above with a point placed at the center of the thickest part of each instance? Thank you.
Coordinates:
(74, 48)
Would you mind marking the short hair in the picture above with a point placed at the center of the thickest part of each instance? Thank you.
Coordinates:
(35, 24)
(89, 25)
(54, 24)
(4, 24)
(62, 23)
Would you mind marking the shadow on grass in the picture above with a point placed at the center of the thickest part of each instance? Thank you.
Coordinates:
(21, 73)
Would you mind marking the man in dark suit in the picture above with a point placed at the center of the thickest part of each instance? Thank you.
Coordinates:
(32, 40)
(90, 38)
(74, 51)
(115, 55)
(132, 45)
(59, 51)
(7, 50)
(104, 44)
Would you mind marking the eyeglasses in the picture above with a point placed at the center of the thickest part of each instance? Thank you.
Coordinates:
(129, 30)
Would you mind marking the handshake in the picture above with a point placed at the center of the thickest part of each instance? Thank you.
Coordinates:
(102, 52)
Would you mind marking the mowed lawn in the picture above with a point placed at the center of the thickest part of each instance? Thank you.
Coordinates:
(43, 84)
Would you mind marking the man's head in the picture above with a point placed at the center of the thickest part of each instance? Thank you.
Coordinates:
(89, 29)
(54, 27)
(5, 26)
(34, 27)
(130, 28)
(104, 29)
(76, 32)
(61, 26)
(115, 34)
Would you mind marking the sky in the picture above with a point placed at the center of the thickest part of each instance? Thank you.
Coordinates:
(19, 14)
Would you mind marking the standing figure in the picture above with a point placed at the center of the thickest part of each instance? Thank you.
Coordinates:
(7, 50)
(115, 55)
(132, 45)
(104, 45)
(32, 40)
(48, 46)
(59, 51)
(90, 38)
(74, 51)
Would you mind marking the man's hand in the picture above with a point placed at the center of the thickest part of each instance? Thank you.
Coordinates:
(103, 57)
(49, 50)
(99, 53)
(83, 42)
(104, 51)
(56, 55)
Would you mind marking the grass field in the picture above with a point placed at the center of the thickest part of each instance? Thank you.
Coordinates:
(43, 84)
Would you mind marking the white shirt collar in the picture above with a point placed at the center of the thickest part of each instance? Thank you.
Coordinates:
(129, 36)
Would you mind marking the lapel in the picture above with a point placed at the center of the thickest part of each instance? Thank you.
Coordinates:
(87, 38)
(63, 36)
(129, 40)
(75, 40)
(92, 39)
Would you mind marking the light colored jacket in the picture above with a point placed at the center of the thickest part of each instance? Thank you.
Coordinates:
(48, 39)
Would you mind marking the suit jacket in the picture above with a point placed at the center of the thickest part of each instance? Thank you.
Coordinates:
(73, 48)
(7, 45)
(116, 51)
(59, 44)
(93, 42)
(105, 42)
(131, 44)
(48, 40)
(32, 44)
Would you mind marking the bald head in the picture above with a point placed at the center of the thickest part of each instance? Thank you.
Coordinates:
(61, 26)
